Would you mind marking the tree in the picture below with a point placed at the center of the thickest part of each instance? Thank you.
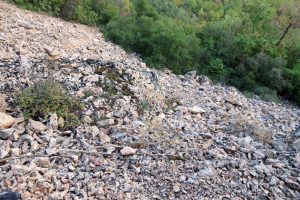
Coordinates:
(288, 17)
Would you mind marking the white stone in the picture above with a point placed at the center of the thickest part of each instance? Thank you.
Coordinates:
(128, 151)
(196, 110)
(176, 187)
(71, 168)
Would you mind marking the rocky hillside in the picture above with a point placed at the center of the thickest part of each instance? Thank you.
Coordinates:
(145, 134)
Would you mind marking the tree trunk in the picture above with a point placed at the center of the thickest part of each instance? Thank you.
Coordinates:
(284, 33)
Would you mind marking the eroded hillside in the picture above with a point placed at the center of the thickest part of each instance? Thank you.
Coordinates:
(145, 134)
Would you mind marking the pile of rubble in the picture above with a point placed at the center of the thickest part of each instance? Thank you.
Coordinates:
(145, 134)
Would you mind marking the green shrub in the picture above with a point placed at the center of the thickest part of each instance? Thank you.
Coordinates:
(84, 14)
(50, 6)
(267, 94)
(269, 70)
(247, 81)
(43, 98)
(162, 43)
(292, 86)
(143, 106)
(80, 10)
(217, 70)
(106, 9)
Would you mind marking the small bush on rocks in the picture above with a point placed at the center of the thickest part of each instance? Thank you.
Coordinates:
(45, 97)
(143, 105)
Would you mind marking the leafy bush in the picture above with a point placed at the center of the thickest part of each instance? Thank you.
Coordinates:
(292, 87)
(84, 14)
(50, 6)
(217, 70)
(267, 94)
(91, 12)
(106, 9)
(162, 43)
(43, 98)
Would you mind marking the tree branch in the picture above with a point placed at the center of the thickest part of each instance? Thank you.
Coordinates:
(285, 32)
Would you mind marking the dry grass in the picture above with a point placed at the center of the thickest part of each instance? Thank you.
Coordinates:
(249, 125)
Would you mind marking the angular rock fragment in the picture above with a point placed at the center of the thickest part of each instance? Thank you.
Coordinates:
(296, 145)
(176, 187)
(196, 110)
(9, 195)
(128, 151)
(3, 104)
(6, 133)
(6, 121)
(104, 138)
(36, 126)
(207, 172)
(297, 132)
(42, 162)
(292, 184)
(53, 121)
(233, 100)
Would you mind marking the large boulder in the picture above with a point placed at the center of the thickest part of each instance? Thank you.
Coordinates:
(6, 121)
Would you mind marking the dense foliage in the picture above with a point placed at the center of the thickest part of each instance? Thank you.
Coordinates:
(253, 45)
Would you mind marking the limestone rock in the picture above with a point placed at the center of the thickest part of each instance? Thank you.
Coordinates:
(9, 195)
(6, 133)
(233, 100)
(207, 172)
(3, 104)
(25, 24)
(21, 168)
(53, 121)
(296, 145)
(4, 152)
(292, 184)
(297, 132)
(36, 126)
(176, 187)
(273, 181)
(6, 120)
(104, 138)
(42, 162)
(105, 123)
(196, 110)
(71, 168)
(128, 151)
